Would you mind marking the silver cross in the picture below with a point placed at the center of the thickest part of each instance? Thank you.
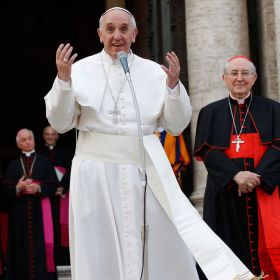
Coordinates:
(237, 141)
(115, 112)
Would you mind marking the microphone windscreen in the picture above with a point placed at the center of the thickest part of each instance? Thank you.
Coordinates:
(121, 54)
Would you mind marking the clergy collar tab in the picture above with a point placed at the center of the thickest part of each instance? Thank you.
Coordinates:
(51, 147)
(28, 154)
(240, 101)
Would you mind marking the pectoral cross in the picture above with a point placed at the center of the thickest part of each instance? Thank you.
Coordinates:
(237, 141)
(115, 112)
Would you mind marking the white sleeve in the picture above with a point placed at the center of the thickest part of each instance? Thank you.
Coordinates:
(62, 111)
(177, 110)
(173, 91)
(64, 85)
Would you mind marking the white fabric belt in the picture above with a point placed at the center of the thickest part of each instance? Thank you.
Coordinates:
(110, 148)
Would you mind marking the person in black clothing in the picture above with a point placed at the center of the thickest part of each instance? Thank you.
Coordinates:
(28, 183)
(238, 139)
(3, 228)
(60, 158)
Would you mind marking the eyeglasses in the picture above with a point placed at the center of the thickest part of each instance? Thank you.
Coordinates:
(244, 74)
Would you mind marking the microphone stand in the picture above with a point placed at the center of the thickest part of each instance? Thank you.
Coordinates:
(145, 228)
(140, 134)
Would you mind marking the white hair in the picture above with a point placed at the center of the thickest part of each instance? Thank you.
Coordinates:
(251, 66)
(23, 130)
(133, 21)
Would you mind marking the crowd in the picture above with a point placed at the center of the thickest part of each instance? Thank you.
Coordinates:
(34, 208)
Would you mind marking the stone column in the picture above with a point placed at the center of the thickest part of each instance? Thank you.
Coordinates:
(277, 33)
(269, 23)
(216, 30)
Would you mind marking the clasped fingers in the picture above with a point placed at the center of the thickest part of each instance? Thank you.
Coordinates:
(245, 177)
(245, 189)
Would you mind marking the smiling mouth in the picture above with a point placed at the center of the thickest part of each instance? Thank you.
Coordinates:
(117, 45)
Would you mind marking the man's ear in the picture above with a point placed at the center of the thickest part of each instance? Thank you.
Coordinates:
(134, 34)
(99, 34)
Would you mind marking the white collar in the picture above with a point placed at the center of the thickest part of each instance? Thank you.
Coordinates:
(51, 147)
(240, 101)
(109, 60)
(28, 154)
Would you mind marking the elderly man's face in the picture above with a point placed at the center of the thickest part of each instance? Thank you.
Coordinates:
(26, 141)
(239, 77)
(117, 33)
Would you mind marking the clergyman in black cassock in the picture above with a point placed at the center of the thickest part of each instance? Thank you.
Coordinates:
(29, 181)
(61, 159)
(3, 228)
(238, 139)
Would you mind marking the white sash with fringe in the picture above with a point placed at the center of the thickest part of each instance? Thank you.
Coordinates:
(217, 261)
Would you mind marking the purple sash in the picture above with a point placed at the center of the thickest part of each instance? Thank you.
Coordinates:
(64, 220)
(63, 210)
(48, 233)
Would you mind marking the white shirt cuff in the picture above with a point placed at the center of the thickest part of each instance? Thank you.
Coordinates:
(174, 91)
(64, 85)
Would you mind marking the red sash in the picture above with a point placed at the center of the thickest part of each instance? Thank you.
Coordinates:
(268, 208)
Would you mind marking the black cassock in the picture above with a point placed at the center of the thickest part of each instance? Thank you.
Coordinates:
(235, 219)
(60, 157)
(3, 232)
(27, 250)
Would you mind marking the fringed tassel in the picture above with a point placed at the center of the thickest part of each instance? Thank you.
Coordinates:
(245, 277)
(262, 276)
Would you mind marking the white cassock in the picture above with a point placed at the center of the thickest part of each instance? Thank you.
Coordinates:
(106, 196)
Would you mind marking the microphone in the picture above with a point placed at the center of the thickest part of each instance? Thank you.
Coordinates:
(122, 56)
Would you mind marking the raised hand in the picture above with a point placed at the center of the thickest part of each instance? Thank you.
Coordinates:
(173, 70)
(64, 61)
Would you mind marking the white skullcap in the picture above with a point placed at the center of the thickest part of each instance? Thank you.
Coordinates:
(117, 8)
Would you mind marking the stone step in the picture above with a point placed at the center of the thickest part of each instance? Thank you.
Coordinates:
(64, 272)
